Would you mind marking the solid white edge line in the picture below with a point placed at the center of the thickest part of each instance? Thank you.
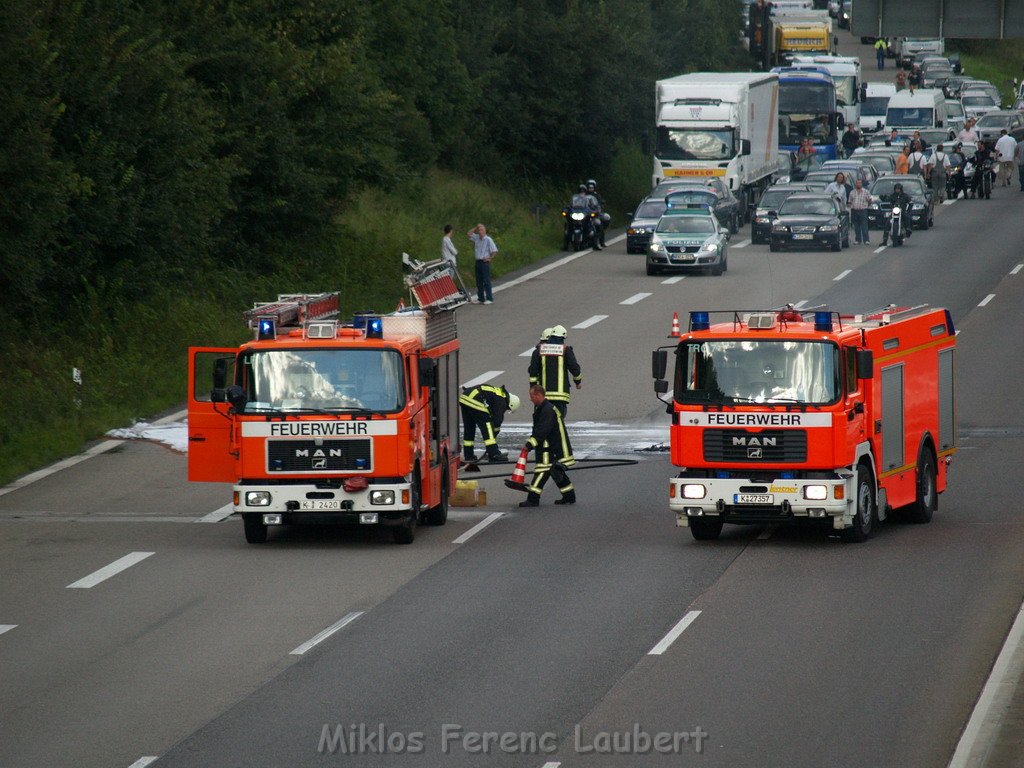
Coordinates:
(478, 527)
(880, 248)
(841, 275)
(1017, 269)
(107, 571)
(636, 298)
(39, 474)
(994, 699)
(741, 244)
(217, 515)
(482, 378)
(986, 300)
(177, 416)
(673, 633)
(321, 636)
(6, 627)
(142, 762)
(673, 280)
(590, 321)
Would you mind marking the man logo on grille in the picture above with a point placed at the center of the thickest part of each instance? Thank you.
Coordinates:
(754, 453)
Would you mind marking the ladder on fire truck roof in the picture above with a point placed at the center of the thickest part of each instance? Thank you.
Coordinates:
(293, 310)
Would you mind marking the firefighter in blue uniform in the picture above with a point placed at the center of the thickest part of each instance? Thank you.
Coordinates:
(552, 365)
(552, 450)
(484, 407)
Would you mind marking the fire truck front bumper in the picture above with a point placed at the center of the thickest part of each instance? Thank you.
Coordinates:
(738, 500)
(308, 504)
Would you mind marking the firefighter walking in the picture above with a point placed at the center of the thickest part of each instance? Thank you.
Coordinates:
(483, 408)
(552, 365)
(552, 450)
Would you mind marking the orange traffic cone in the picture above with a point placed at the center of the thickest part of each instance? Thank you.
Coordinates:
(401, 305)
(518, 480)
(675, 334)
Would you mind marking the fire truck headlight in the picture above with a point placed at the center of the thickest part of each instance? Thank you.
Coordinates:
(382, 497)
(694, 491)
(816, 492)
(257, 498)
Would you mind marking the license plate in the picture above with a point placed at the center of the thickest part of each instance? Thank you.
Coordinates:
(685, 258)
(753, 498)
(319, 504)
(803, 237)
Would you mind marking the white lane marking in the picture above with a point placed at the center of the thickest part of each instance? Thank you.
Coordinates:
(178, 416)
(553, 265)
(591, 321)
(880, 248)
(994, 701)
(550, 765)
(527, 353)
(483, 378)
(217, 515)
(6, 627)
(950, 202)
(319, 638)
(32, 477)
(142, 762)
(1016, 269)
(741, 244)
(107, 571)
(673, 280)
(800, 304)
(478, 527)
(636, 297)
(673, 633)
(986, 300)
(841, 275)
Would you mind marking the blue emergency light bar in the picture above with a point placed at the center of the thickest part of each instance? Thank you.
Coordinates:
(267, 329)
(700, 321)
(823, 321)
(375, 328)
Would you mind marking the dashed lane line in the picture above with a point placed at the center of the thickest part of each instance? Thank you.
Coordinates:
(673, 634)
(321, 636)
(483, 378)
(841, 275)
(478, 527)
(635, 298)
(673, 280)
(591, 321)
(986, 300)
(108, 571)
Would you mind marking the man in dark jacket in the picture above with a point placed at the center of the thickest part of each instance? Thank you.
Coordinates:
(553, 452)
(484, 407)
(552, 363)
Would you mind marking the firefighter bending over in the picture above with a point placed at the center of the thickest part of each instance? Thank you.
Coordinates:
(553, 452)
(484, 407)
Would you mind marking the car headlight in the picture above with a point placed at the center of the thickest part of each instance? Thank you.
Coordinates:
(636, 231)
(919, 206)
(257, 498)
(694, 491)
(709, 247)
(762, 219)
(780, 228)
(874, 206)
(828, 228)
(657, 246)
(382, 497)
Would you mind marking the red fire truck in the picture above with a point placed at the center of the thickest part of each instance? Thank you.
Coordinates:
(783, 416)
(314, 421)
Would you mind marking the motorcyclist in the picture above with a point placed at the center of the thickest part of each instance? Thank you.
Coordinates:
(586, 202)
(957, 161)
(982, 160)
(901, 200)
(605, 218)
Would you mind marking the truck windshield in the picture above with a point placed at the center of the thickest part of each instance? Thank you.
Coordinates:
(806, 98)
(910, 117)
(695, 144)
(794, 129)
(754, 371)
(874, 106)
(846, 90)
(324, 380)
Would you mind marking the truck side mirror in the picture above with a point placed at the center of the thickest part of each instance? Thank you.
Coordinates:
(428, 369)
(865, 364)
(236, 396)
(745, 146)
(661, 386)
(659, 363)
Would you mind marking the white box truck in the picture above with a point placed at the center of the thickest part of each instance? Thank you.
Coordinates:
(718, 124)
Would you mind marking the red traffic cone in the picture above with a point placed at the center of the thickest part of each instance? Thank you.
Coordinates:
(518, 480)
(675, 334)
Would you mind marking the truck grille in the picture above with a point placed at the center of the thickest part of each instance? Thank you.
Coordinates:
(305, 456)
(773, 445)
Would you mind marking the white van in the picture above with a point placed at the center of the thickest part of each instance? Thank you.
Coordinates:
(907, 112)
(874, 105)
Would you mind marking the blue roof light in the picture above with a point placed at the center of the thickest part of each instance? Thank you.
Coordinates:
(266, 329)
(823, 321)
(375, 328)
(699, 321)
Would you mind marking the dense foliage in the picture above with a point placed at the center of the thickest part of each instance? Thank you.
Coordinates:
(161, 153)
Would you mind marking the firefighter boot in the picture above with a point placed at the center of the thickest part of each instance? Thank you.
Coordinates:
(467, 453)
(493, 454)
(569, 497)
(532, 500)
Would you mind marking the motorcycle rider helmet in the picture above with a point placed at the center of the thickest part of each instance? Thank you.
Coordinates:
(591, 185)
(582, 188)
(897, 187)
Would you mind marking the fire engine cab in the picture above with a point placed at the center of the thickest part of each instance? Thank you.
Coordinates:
(315, 421)
(785, 415)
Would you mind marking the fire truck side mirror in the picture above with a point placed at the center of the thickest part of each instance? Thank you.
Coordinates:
(236, 396)
(661, 386)
(427, 367)
(865, 364)
(659, 363)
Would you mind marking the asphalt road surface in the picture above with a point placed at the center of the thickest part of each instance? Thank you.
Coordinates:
(579, 635)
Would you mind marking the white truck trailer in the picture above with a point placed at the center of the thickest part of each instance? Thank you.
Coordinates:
(718, 124)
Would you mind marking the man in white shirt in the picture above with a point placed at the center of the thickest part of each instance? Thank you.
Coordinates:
(967, 133)
(1006, 147)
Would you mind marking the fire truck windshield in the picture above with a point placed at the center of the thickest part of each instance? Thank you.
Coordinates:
(757, 371)
(324, 380)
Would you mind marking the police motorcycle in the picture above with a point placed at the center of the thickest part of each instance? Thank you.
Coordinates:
(581, 224)
(986, 169)
(893, 228)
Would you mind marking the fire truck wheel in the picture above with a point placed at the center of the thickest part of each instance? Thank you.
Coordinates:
(406, 532)
(927, 501)
(439, 515)
(255, 530)
(864, 519)
(705, 530)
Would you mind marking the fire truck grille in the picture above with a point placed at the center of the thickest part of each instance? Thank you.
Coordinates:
(329, 456)
(776, 445)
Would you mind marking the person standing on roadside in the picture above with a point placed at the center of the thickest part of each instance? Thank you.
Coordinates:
(1018, 157)
(1006, 149)
(448, 250)
(937, 166)
(859, 202)
(484, 250)
(880, 48)
(903, 161)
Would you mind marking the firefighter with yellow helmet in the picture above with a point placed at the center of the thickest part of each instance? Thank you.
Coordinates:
(553, 366)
